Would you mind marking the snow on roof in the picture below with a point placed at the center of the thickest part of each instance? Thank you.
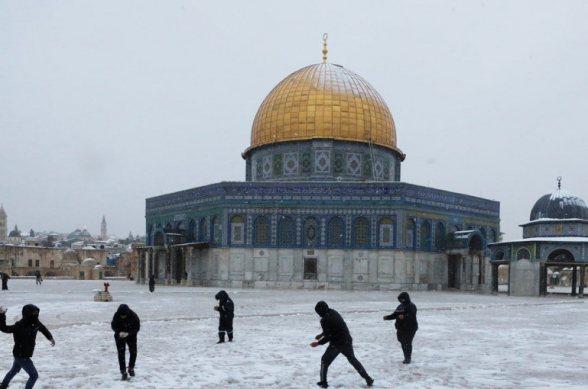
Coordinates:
(568, 197)
(552, 220)
(565, 239)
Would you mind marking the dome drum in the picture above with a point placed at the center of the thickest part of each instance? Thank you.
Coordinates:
(323, 160)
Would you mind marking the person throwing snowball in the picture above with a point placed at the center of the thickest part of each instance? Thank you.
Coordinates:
(336, 333)
(24, 332)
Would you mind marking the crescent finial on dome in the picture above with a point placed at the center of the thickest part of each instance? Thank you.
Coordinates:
(325, 51)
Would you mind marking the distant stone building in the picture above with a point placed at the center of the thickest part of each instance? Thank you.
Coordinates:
(555, 240)
(79, 235)
(3, 224)
(323, 205)
(80, 264)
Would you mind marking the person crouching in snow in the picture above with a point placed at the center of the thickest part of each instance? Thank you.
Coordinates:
(406, 324)
(226, 309)
(336, 333)
(125, 325)
(24, 332)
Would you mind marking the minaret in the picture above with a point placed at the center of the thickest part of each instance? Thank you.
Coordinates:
(103, 234)
(3, 224)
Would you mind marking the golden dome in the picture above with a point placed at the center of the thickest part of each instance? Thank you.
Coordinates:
(323, 101)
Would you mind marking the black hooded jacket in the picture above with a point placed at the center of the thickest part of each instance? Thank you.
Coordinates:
(131, 324)
(25, 331)
(334, 328)
(226, 308)
(408, 310)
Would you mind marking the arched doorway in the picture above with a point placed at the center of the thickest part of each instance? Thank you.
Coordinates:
(179, 266)
(158, 239)
(561, 272)
(500, 272)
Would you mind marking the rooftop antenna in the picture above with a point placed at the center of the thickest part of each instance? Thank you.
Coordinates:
(325, 51)
(559, 182)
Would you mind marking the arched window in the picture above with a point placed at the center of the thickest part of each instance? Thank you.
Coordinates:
(476, 243)
(360, 232)
(410, 233)
(499, 255)
(454, 228)
(440, 237)
(492, 235)
(180, 226)
(216, 230)
(192, 231)
(261, 231)
(386, 232)
(561, 255)
(336, 230)
(483, 231)
(311, 232)
(168, 226)
(286, 231)
(425, 238)
(237, 230)
(203, 232)
(523, 254)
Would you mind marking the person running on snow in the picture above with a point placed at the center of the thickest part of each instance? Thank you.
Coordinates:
(24, 332)
(336, 333)
(125, 325)
(226, 309)
(406, 324)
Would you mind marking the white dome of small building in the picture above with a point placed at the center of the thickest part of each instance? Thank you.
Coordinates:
(89, 262)
(70, 256)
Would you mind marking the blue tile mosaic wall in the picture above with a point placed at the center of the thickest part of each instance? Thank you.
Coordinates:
(323, 201)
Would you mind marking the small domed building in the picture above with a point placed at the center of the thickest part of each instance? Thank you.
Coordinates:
(554, 238)
(15, 237)
(323, 205)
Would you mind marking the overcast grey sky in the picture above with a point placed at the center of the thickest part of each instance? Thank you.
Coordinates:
(106, 103)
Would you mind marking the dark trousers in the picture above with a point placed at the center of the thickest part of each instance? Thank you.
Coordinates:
(28, 366)
(4, 285)
(332, 352)
(405, 338)
(225, 325)
(131, 340)
(151, 287)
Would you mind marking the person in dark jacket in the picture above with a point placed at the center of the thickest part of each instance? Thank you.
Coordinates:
(406, 324)
(39, 277)
(336, 333)
(5, 278)
(152, 283)
(126, 325)
(226, 309)
(24, 332)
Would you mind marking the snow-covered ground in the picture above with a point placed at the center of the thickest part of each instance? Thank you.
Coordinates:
(464, 340)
